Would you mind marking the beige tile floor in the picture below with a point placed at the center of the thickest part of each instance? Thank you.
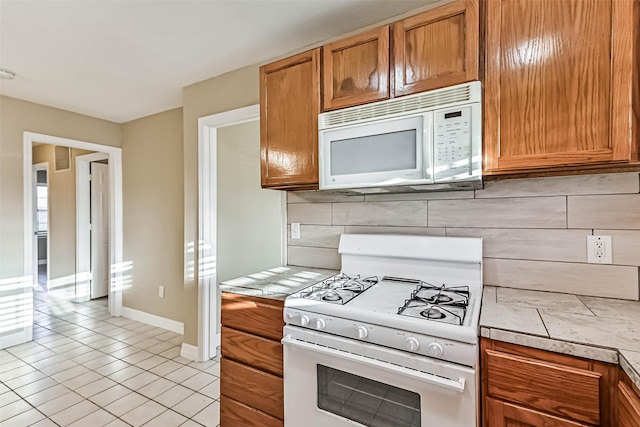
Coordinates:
(87, 368)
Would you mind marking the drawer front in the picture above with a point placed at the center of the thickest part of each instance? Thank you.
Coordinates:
(556, 389)
(259, 316)
(253, 387)
(258, 352)
(236, 414)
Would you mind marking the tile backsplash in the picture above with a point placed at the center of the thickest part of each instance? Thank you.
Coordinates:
(534, 229)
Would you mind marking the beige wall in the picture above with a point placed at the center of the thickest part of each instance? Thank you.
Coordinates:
(152, 171)
(16, 117)
(534, 230)
(229, 91)
(249, 233)
(62, 217)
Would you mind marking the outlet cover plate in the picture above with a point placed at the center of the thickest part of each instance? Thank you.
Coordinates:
(295, 230)
(599, 250)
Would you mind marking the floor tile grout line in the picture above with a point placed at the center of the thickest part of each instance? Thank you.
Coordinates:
(60, 336)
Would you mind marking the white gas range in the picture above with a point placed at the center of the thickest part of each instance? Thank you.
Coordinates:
(392, 341)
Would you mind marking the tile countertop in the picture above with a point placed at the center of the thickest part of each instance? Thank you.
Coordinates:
(275, 283)
(601, 329)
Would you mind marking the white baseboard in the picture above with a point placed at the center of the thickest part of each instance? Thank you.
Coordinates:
(189, 352)
(153, 320)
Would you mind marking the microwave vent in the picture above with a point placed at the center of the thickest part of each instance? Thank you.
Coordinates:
(468, 92)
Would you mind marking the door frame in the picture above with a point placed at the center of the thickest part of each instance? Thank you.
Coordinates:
(44, 166)
(208, 295)
(118, 267)
(83, 222)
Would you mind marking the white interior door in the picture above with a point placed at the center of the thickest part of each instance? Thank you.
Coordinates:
(99, 230)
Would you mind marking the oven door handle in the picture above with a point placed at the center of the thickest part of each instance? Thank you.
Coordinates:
(374, 363)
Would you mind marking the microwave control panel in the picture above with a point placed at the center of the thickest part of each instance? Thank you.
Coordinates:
(453, 152)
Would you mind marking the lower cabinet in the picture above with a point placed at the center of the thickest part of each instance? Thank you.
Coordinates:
(251, 385)
(627, 403)
(525, 387)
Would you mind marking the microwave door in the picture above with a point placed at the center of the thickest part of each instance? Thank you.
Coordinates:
(382, 153)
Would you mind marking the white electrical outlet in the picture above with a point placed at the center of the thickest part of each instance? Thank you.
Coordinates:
(161, 291)
(599, 250)
(295, 230)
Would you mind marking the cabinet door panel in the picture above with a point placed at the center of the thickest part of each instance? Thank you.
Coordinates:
(503, 414)
(356, 70)
(553, 94)
(628, 407)
(289, 108)
(436, 48)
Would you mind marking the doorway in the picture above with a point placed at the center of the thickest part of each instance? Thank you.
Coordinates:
(92, 226)
(116, 264)
(237, 183)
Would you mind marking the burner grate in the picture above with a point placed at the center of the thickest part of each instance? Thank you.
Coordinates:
(339, 289)
(438, 303)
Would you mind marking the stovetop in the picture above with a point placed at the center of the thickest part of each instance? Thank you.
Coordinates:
(397, 286)
(423, 301)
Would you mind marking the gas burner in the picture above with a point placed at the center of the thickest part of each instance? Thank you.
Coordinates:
(432, 313)
(437, 303)
(339, 289)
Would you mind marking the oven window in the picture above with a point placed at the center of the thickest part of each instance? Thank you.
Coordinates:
(365, 401)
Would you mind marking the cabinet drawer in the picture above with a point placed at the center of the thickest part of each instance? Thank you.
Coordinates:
(261, 353)
(556, 389)
(259, 316)
(256, 388)
(236, 414)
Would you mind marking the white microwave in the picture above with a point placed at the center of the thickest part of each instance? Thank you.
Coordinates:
(427, 141)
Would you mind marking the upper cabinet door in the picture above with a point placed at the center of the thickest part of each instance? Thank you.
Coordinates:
(356, 69)
(436, 48)
(558, 84)
(289, 108)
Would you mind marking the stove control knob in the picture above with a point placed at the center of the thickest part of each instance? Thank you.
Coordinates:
(411, 344)
(435, 349)
(304, 320)
(319, 324)
(362, 332)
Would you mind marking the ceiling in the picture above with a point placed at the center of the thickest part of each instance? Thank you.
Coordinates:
(124, 59)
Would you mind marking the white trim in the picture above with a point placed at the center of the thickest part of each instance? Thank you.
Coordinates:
(115, 219)
(153, 320)
(190, 352)
(207, 209)
(83, 222)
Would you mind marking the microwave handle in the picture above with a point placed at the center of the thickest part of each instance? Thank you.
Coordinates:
(394, 369)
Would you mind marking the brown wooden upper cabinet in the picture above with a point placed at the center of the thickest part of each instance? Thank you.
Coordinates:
(437, 48)
(558, 84)
(289, 108)
(356, 69)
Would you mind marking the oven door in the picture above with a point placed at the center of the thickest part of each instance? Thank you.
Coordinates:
(330, 387)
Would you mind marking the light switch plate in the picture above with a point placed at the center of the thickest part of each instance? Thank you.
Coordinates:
(599, 250)
(295, 230)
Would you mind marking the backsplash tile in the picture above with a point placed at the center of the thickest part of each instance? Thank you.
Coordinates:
(309, 213)
(534, 212)
(620, 212)
(529, 244)
(611, 281)
(381, 213)
(534, 229)
(617, 183)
